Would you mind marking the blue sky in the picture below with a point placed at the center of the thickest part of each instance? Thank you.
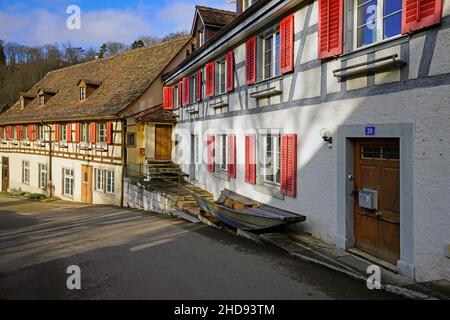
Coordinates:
(40, 22)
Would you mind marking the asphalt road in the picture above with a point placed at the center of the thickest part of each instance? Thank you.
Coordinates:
(128, 254)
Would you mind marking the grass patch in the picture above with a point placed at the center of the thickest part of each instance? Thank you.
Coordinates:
(25, 195)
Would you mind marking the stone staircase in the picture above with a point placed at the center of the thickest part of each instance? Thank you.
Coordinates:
(167, 178)
(161, 169)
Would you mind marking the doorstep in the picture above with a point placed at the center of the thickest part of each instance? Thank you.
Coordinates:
(313, 250)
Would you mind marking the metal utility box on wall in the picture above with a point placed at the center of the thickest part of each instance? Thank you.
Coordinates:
(368, 199)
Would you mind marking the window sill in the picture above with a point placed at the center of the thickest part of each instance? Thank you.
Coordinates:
(270, 190)
(374, 46)
(385, 63)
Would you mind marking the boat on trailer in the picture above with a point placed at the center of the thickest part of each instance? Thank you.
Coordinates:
(246, 214)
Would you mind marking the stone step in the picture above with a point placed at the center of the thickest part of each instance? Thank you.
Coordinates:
(186, 216)
(182, 204)
(193, 211)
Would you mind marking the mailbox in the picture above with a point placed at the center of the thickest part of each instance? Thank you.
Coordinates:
(368, 199)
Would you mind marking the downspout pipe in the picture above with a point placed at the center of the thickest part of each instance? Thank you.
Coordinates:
(50, 169)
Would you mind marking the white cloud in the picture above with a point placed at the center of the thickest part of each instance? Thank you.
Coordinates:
(41, 26)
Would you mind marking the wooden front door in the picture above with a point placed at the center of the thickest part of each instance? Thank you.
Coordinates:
(377, 167)
(163, 142)
(5, 174)
(86, 185)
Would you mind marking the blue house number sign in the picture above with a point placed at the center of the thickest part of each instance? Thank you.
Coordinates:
(370, 131)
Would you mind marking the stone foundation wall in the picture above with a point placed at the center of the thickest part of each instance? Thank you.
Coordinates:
(136, 196)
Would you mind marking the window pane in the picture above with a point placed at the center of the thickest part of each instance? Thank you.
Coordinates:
(277, 54)
(392, 25)
(366, 35)
(367, 12)
(391, 6)
(268, 57)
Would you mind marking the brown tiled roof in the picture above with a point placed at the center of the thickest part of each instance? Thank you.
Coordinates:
(124, 78)
(3, 107)
(156, 114)
(215, 17)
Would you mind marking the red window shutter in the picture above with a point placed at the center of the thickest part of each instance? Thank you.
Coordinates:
(77, 132)
(287, 44)
(186, 91)
(33, 132)
(289, 165)
(30, 132)
(250, 62)
(69, 132)
(1, 133)
(419, 14)
(109, 133)
(331, 28)
(230, 71)
(210, 79)
(198, 94)
(250, 159)
(231, 156)
(168, 98)
(93, 133)
(19, 132)
(57, 131)
(211, 153)
(180, 94)
(8, 132)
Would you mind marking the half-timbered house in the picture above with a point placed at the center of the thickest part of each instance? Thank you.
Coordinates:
(66, 136)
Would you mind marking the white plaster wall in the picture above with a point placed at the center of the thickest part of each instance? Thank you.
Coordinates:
(426, 108)
(15, 179)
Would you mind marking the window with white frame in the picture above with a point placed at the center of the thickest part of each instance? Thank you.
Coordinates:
(222, 76)
(25, 133)
(222, 154)
(101, 132)
(271, 54)
(3, 130)
(41, 100)
(14, 133)
(68, 182)
(41, 133)
(100, 180)
(270, 145)
(109, 181)
(82, 93)
(376, 20)
(104, 180)
(201, 38)
(43, 176)
(85, 133)
(26, 172)
(63, 136)
(22, 104)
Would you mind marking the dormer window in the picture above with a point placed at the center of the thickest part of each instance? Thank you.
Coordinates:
(86, 88)
(41, 100)
(82, 93)
(22, 104)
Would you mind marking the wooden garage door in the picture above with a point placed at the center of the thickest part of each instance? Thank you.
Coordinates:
(377, 167)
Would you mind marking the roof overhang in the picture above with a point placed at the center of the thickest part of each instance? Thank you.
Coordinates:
(248, 23)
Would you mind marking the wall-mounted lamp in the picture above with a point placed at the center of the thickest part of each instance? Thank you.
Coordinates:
(327, 137)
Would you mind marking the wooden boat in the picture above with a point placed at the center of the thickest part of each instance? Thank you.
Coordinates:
(253, 216)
